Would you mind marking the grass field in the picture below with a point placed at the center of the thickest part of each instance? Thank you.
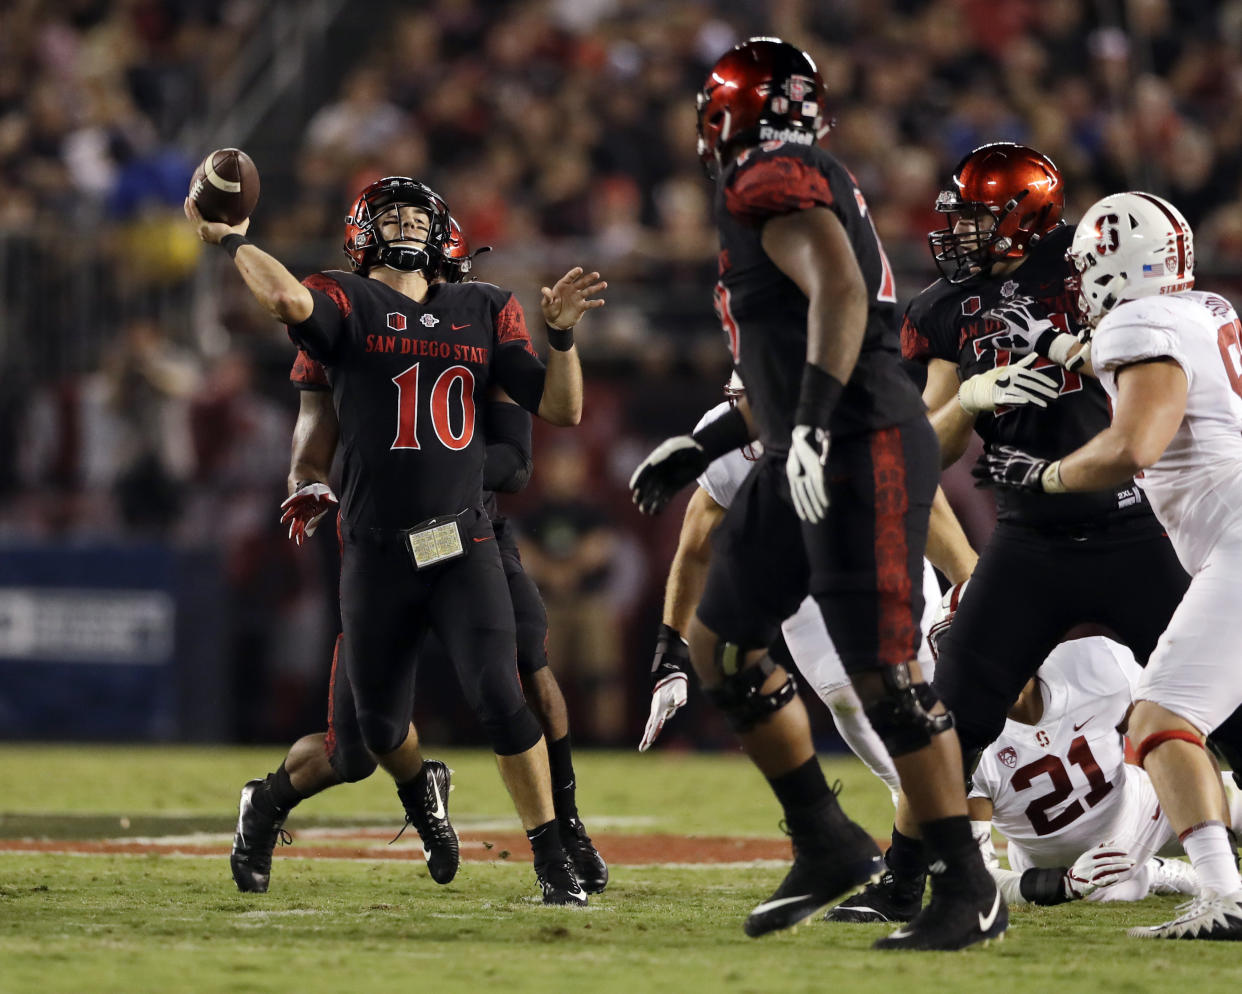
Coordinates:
(155, 908)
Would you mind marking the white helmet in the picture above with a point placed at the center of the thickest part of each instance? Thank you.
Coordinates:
(1130, 245)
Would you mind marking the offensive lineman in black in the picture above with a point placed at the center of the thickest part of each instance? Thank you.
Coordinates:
(997, 334)
(806, 299)
(412, 362)
(321, 760)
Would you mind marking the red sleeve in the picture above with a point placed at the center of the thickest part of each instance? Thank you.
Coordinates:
(511, 325)
(326, 284)
(308, 373)
(914, 344)
(776, 185)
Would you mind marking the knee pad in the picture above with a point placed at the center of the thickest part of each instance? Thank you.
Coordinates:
(739, 696)
(513, 734)
(380, 733)
(902, 718)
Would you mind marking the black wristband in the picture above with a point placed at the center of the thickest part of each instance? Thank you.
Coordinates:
(818, 397)
(561, 339)
(672, 655)
(232, 242)
(726, 433)
(1043, 885)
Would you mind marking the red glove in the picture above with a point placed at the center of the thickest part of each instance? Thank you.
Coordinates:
(304, 507)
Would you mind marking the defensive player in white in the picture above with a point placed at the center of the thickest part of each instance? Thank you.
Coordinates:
(1171, 361)
(805, 633)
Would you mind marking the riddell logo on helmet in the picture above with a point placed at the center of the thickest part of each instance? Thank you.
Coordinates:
(767, 133)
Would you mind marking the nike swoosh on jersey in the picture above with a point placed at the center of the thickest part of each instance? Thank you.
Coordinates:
(985, 921)
(458, 327)
(485, 538)
(1077, 727)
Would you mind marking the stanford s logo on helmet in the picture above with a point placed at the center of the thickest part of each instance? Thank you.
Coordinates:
(1127, 246)
(365, 244)
(762, 90)
(1020, 188)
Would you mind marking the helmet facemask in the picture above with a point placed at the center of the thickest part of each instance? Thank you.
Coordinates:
(365, 242)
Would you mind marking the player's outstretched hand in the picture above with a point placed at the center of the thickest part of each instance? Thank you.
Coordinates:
(1006, 466)
(669, 682)
(303, 508)
(211, 231)
(573, 295)
(1098, 867)
(1012, 385)
(806, 468)
(1025, 332)
(673, 463)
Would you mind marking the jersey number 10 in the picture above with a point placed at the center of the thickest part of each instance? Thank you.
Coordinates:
(441, 397)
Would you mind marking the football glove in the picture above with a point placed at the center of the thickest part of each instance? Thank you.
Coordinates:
(1098, 867)
(1026, 333)
(1006, 466)
(674, 463)
(805, 468)
(304, 507)
(1012, 385)
(945, 614)
(669, 682)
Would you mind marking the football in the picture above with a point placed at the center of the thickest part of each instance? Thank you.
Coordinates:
(225, 186)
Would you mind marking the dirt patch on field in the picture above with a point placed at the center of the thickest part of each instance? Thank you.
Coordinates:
(618, 849)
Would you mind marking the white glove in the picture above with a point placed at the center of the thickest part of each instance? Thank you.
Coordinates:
(945, 614)
(667, 698)
(673, 464)
(304, 507)
(1012, 385)
(1023, 330)
(1098, 867)
(805, 467)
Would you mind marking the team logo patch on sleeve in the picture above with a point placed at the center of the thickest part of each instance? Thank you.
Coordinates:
(396, 321)
(1008, 756)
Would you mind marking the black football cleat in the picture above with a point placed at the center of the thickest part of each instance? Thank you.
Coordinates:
(254, 841)
(559, 884)
(589, 866)
(883, 900)
(426, 808)
(824, 868)
(960, 913)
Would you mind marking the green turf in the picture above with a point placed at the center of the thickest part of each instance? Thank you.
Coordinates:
(169, 924)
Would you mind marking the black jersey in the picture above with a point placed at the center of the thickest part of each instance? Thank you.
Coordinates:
(956, 323)
(764, 312)
(408, 382)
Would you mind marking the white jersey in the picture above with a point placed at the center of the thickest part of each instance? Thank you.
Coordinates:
(1060, 787)
(804, 631)
(1195, 487)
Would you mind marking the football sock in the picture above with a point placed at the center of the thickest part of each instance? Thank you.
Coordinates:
(564, 787)
(545, 842)
(277, 796)
(949, 841)
(1210, 854)
(802, 787)
(907, 858)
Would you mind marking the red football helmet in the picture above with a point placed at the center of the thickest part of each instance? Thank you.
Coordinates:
(457, 260)
(1019, 187)
(762, 90)
(365, 245)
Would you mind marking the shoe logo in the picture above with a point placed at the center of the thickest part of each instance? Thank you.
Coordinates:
(439, 808)
(985, 921)
(901, 933)
(1077, 727)
(773, 905)
(458, 327)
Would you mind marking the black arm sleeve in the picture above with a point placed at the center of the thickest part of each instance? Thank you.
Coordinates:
(508, 462)
(1043, 885)
(520, 374)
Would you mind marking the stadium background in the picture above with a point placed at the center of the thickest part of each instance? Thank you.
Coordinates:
(147, 590)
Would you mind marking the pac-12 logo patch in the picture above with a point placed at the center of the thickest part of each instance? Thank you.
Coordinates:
(1008, 756)
(396, 321)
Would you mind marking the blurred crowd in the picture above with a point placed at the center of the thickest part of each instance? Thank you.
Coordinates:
(148, 398)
